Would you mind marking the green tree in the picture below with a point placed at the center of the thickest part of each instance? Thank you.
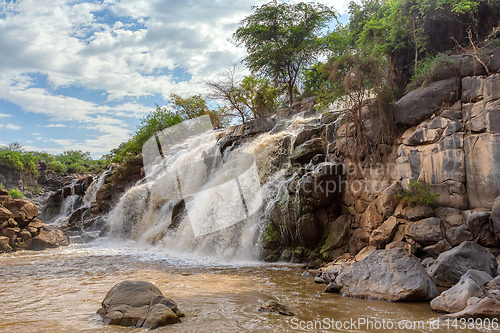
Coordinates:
(282, 39)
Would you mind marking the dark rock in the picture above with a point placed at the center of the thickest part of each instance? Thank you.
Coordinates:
(392, 275)
(306, 151)
(311, 273)
(450, 216)
(330, 273)
(458, 235)
(455, 299)
(332, 288)
(421, 103)
(337, 233)
(427, 231)
(418, 213)
(435, 250)
(381, 236)
(140, 304)
(451, 265)
(478, 223)
(495, 217)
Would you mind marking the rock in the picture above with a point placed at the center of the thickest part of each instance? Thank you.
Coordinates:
(478, 223)
(427, 231)
(321, 186)
(330, 273)
(435, 250)
(365, 252)
(396, 245)
(4, 244)
(49, 237)
(495, 217)
(418, 213)
(455, 299)
(309, 229)
(332, 288)
(493, 284)
(5, 214)
(337, 233)
(451, 265)
(472, 89)
(11, 234)
(308, 133)
(23, 211)
(381, 236)
(387, 200)
(452, 217)
(311, 273)
(140, 304)
(391, 275)
(458, 235)
(306, 151)
(421, 103)
(486, 307)
(273, 306)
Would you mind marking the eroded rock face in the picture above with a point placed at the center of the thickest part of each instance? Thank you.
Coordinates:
(451, 265)
(140, 304)
(420, 103)
(391, 275)
(495, 217)
(455, 299)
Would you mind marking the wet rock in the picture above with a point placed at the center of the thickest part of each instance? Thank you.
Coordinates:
(330, 273)
(421, 103)
(451, 265)
(337, 233)
(478, 223)
(321, 186)
(140, 304)
(427, 231)
(381, 236)
(273, 306)
(392, 275)
(4, 244)
(311, 273)
(332, 287)
(306, 151)
(455, 299)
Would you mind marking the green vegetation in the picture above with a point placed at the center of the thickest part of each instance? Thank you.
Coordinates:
(15, 194)
(1, 186)
(418, 194)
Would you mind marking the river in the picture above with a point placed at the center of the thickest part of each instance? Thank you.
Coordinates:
(59, 290)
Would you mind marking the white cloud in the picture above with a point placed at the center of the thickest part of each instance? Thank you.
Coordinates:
(4, 115)
(56, 125)
(10, 126)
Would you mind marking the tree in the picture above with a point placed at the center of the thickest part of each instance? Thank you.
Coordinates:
(249, 98)
(282, 39)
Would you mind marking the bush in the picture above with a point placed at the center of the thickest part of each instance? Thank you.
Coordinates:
(418, 193)
(57, 167)
(1, 186)
(15, 194)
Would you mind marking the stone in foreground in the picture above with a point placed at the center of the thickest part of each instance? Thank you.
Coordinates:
(273, 306)
(391, 275)
(451, 265)
(140, 304)
(455, 299)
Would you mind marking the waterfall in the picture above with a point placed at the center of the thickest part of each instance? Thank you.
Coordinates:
(205, 206)
(91, 193)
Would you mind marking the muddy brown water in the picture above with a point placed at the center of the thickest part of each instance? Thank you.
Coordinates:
(59, 290)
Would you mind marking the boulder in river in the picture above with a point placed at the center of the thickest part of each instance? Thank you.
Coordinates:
(455, 299)
(451, 265)
(392, 275)
(140, 304)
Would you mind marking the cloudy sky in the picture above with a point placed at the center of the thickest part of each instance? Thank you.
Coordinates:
(83, 74)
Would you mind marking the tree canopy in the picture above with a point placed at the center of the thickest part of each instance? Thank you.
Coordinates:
(282, 39)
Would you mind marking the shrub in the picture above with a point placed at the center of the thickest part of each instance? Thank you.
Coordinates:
(418, 193)
(15, 194)
(1, 186)
(58, 167)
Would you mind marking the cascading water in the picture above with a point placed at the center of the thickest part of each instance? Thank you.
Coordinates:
(152, 212)
(91, 193)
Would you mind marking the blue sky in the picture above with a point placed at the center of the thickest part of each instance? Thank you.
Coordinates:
(83, 74)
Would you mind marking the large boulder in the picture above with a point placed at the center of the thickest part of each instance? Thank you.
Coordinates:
(455, 299)
(421, 103)
(488, 307)
(451, 265)
(140, 304)
(5, 214)
(49, 237)
(478, 223)
(23, 210)
(427, 231)
(392, 275)
(383, 235)
(306, 151)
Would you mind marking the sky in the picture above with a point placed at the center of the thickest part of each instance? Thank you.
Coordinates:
(80, 75)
